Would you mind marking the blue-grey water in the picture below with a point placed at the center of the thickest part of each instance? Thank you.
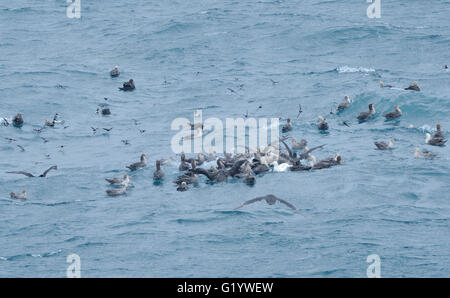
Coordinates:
(183, 55)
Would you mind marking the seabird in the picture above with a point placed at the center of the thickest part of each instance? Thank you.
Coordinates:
(328, 162)
(107, 129)
(382, 85)
(287, 127)
(158, 174)
(184, 166)
(366, 115)
(31, 175)
(113, 192)
(106, 111)
(424, 153)
(21, 196)
(343, 105)
(119, 181)
(299, 110)
(435, 141)
(384, 145)
(182, 187)
(18, 120)
(115, 72)
(128, 86)
(439, 133)
(413, 87)
(394, 114)
(139, 165)
(298, 146)
(5, 122)
(189, 177)
(322, 124)
(53, 122)
(271, 200)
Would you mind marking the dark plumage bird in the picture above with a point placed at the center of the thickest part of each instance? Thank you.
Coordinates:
(439, 133)
(189, 177)
(287, 127)
(435, 141)
(343, 105)
(106, 111)
(182, 187)
(158, 174)
(413, 87)
(128, 86)
(384, 145)
(18, 120)
(366, 115)
(31, 175)
(328, 162)
(184, 165)
(322, 124)
(382, 85)
(139, 165)
(394, 114)
(115, 72)
(271, 200)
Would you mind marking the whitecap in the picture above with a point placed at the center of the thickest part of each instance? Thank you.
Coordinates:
(348, 69)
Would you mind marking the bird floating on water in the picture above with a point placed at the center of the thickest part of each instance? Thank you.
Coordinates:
(21, 196)
(18, 120)
(413, 87)
(139, 165)
(128, 86)
(115, 72)
(366, 115)
(384, 145)
(394, 114)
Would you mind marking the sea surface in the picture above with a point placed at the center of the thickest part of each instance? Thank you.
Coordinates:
(183, 56)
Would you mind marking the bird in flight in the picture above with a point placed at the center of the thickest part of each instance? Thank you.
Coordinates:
(271, 200)
(31, 175)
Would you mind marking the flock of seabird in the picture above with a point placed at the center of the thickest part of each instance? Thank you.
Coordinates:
(244, 166)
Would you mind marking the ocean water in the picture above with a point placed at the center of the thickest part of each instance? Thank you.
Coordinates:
(183, 55)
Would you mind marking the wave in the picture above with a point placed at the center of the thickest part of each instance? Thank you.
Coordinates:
(348, 69)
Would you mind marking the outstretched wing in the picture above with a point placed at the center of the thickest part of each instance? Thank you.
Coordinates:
(21, 173)
(250, 202)
(48, 170)
(289, 205)
(314, 148)
(287, 148)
